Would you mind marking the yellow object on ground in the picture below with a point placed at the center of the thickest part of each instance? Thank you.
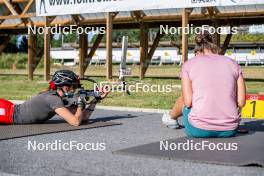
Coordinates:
(254, 107)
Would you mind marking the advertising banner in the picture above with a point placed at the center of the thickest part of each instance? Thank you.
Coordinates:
(62, 7)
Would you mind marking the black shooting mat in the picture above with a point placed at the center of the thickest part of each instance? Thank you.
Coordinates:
(250, 149)
(51, 126)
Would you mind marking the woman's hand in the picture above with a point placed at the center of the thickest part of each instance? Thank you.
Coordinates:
(104, 94)
(81, 103)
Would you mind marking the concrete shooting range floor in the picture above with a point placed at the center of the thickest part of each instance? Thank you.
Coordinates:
(137, 128)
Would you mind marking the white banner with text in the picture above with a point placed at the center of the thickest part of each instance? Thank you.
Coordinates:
(63, 7)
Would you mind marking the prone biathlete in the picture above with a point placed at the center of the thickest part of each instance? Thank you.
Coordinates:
(48, 103)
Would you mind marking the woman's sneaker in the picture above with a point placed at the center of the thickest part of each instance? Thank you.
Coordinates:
(169, 122)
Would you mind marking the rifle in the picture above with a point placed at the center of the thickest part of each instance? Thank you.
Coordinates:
(85, 94)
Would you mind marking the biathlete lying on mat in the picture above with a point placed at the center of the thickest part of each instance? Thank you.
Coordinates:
(45, 105)
(213, 92)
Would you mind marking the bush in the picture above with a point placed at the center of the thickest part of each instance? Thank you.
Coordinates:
(19, 59)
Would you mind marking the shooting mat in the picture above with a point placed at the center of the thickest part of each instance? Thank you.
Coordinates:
(250, 151)
(52, 126)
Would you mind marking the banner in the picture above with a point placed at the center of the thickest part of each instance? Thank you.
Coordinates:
(63, 7)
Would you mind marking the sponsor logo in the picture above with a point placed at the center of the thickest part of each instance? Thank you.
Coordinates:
(2, 112)
(202, 1)
(42, 7)
(51, 3)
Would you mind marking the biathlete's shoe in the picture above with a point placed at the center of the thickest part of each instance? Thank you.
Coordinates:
(169, 122)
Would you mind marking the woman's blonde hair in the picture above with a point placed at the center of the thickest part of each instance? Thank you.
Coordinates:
(45, 90)
(203, 41)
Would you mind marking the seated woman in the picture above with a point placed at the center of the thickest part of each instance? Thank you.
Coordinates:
(213, 91)
(45, 105)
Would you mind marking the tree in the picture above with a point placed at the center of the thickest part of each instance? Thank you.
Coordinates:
(23, 44)
(70, 38)
(11, 47)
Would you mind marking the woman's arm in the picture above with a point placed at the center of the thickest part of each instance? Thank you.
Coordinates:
(89, 110)
(75, 117)
(187, 91)
(241, 92)
(72, 119)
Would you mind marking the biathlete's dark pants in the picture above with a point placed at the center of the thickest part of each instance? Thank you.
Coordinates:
(6, 112)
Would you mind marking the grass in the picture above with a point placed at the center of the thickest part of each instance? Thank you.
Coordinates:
(17, 87)
(8, 60)
(253, 72)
